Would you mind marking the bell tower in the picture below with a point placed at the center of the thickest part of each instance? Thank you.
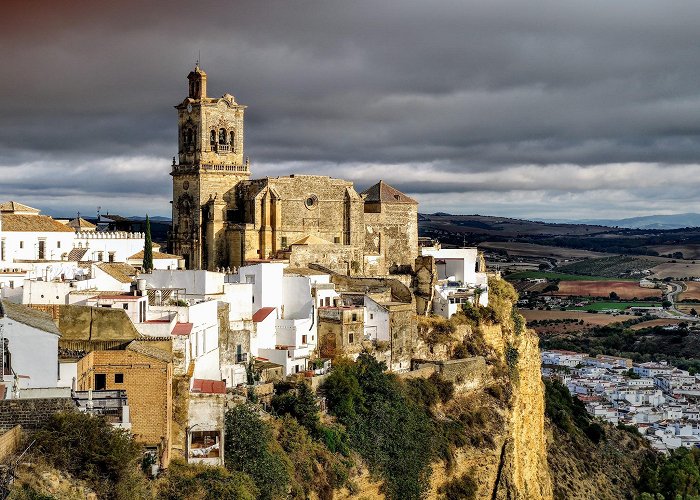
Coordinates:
(209, 166)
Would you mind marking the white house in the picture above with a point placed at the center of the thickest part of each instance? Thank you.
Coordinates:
(461, 279)
(28, 349)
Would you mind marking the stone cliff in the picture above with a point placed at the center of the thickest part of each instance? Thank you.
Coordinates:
(511, 463)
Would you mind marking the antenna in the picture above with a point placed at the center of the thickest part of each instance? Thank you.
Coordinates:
(199, 56)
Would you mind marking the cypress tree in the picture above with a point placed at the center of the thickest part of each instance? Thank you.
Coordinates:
(148, 248)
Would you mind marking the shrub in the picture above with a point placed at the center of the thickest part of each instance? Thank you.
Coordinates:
(202, 482)
(90, 449)
(252, 449)
(461, 488)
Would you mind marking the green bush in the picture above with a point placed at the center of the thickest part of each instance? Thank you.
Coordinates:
(251, 448)
(90, 449)
(391, 431)
(298, 401)
(203, 482)
(461, 488)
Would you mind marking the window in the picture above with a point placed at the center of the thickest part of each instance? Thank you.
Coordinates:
(204, 444)
(283, 243)
(232, 138)
(303, 339)
(351, 338)
(354, 316)
(21, 244)
(2, 249)
(58, 244)
(118, 378)
(336, 239)
(371, 315)
(42, 249)
(222, 136)
(111, 256)
(328, 301)
(12, 284)
(100, 381)
(250, 279)
(125, 305)
(100, 255)
(212, 138)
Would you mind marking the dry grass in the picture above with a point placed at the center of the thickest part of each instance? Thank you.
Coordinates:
(624, 289)
(679, 269)
(591, 318)
(689, 251)
(656, 322)
(691, 292)
(533, 250)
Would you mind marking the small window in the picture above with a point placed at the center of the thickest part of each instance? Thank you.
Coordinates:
(212, 138)
(118, 378)
(250, 279)
(371, 315)
(125, 305)
(58, 244)
(111, 256)
(100, 381)
(354, 316)
(21, 244)
(231, 138)
(100, 256)
(222, 136)
(283, 242)
(351, 338)
(303, 339)
(336, 239)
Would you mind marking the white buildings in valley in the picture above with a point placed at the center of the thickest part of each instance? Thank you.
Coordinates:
(660, 400)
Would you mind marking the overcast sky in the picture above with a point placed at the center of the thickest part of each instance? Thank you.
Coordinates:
(540, 109)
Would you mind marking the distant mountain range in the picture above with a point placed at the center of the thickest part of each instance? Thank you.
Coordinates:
(675, 221)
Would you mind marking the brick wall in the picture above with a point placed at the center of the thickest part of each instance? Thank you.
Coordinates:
(31, 413)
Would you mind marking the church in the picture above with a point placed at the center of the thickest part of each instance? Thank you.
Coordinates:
(223, 218)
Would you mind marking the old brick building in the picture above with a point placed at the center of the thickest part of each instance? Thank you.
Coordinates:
(222, 218)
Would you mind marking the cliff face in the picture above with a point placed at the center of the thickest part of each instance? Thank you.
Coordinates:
(513, 464)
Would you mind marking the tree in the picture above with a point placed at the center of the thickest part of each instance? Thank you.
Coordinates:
(693, 312)
(614, 296)
(148, 248)
(251, 448)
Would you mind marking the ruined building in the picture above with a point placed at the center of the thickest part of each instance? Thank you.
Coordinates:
(223, 218)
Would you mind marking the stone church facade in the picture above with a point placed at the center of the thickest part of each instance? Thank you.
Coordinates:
(223, 218)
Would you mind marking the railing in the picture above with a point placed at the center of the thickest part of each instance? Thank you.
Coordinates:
(221, 168)
(223, 148)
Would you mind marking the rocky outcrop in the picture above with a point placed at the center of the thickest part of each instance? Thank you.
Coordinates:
(514, 463)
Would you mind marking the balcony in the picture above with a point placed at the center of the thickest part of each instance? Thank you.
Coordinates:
(223, 148)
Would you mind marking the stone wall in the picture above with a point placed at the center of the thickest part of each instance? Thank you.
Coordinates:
(9, 442)
(31, 413)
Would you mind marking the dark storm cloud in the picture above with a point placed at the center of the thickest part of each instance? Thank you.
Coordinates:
(470, 106)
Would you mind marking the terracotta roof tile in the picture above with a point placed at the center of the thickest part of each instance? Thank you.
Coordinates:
(13, 206)
(382, 192)
(28, 316)
(156, 255)
(32, 223)
(124, 273)
(262, 313)
(205, 386)
(182, 329)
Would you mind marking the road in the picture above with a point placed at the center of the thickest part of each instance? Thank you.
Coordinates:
(676, 289)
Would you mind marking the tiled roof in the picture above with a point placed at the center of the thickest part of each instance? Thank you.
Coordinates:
(77, 253)
(28, 316)
(262, 313)
(121, 272)
(182, 329)
(383, 193)
(35, 223)
(13, 206)
(80, 223)
(156, 255)
(148, 350)
(205, 386)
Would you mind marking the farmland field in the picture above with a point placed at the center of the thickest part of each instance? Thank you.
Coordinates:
(624, 289)
(591, 318)
(680, 269)
(534, 250)
(556, 276)
(656, 322)
(689, 251)
(602, 306)
(691, 291)
(612, 267)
